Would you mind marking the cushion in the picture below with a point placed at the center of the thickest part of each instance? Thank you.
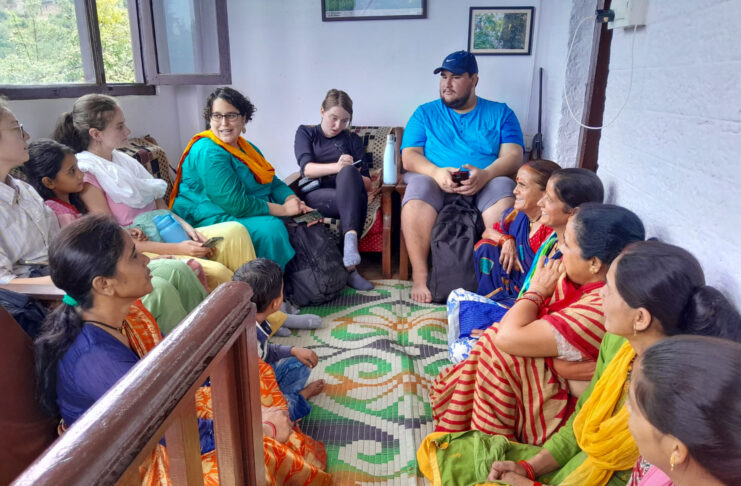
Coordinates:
(152, 157)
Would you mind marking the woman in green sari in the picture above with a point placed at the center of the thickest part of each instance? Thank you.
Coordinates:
(653, 290)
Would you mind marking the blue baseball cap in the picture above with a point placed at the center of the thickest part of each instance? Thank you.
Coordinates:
(459, 62)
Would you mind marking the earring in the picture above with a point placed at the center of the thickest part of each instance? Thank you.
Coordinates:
(671, 462)
(244, 130)
(634, 333)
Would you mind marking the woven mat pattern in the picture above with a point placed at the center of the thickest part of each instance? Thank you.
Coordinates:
(378, 353)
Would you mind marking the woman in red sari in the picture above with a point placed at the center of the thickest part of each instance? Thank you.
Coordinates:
(508, 384)
(101, 331)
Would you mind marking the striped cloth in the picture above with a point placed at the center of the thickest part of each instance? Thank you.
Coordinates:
(300, 461)
(26, 228)
(519, 397)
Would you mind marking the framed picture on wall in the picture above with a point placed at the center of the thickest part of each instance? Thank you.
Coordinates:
(500, 30)
(373, 9)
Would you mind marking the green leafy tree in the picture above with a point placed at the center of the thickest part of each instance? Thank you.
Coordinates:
(115, 36)
(40, 44)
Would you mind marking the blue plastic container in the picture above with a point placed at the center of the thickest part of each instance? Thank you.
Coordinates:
(170, 230)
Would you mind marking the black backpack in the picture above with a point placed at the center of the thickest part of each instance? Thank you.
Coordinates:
(316, 274)
(457, 228)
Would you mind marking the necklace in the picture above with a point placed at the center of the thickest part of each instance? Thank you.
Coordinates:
(533, 222)
(113, 328)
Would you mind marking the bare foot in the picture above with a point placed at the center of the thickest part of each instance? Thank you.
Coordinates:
(420, 292)
(312, 389)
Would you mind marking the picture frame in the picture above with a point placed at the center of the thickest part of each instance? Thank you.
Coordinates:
(338, 10)
(500, 31)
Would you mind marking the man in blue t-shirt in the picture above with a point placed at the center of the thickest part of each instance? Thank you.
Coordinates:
(458, 132)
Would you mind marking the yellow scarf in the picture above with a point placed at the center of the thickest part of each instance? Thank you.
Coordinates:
(248, 155)
(601, 431)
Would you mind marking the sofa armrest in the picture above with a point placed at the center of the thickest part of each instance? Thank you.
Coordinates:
(292, 181)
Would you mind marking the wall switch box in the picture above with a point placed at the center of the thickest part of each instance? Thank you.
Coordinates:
(628, 13)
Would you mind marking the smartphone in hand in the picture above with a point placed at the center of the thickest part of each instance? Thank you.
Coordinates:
(211, 242)
(461, 175)
(309, 217)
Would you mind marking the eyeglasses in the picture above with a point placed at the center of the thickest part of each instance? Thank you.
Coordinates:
(230, 117)
(19, 128)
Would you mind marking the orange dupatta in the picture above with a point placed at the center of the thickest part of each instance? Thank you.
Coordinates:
(248, 155)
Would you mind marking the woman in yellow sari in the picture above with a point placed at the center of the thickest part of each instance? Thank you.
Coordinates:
(653, 290)
(100, 332)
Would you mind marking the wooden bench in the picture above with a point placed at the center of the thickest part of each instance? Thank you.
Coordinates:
(156, 398)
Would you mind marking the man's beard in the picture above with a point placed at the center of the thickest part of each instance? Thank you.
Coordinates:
(456, 103)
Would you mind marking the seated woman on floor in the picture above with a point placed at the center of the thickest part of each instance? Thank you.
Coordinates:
(653, 290)
(508, 385)
(505, 253)
(27, 226)
(223, 177)
(117, 184)
(328, 152)
(691, 435)
(101, 331)
(468, 312)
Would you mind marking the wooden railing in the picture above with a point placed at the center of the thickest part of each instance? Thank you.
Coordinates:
(156, 399)
(42, 292)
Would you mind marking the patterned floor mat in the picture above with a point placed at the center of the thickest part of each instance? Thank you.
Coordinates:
(378, 352)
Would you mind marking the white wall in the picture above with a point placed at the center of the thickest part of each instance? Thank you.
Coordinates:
(285, 59)
(672, 156)
(575, 78)
(552, 35)
(156, 115)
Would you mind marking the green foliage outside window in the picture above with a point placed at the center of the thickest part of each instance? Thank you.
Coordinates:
(40, 44)
(115, 35)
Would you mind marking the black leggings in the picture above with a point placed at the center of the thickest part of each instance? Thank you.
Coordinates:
(342, 196)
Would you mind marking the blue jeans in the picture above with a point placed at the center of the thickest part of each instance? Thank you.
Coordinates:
(292, 375)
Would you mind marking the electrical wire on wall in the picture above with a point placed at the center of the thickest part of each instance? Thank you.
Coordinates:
(630, 83)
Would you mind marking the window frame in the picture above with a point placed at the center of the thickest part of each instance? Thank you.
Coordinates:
(149, 50)
(145, 59)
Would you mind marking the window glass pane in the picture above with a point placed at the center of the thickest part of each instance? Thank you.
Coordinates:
(115, 38)
(40, 43)
(186, 36)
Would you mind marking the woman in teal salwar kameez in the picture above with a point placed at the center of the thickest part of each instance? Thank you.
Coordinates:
(223, 177)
